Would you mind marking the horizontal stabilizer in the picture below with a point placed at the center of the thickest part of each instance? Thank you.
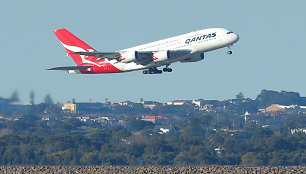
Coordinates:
(71, 68)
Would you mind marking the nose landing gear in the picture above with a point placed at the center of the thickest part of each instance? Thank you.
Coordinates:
(229, 49)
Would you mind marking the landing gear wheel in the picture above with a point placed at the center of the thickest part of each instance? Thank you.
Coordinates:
(229, 52)
(152, 71)
(167, 69)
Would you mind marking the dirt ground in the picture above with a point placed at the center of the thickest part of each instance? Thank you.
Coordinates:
(151, 169)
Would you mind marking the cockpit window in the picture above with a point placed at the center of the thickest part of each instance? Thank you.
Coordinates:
(229, 32)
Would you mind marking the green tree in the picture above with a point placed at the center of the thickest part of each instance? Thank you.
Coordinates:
(157, 145)
(28, 155)
(14, 97)
(32, 97)
(58, 158)
(138, 125)
(113, 159)
(90, 158)
(99, 138)
(48, 99)
(248, 158)
(58, 143)
(276, 142)
(251, 158)
(278, 158)
(268, 97)
(136, 149)
(240, 96)
(11, 156)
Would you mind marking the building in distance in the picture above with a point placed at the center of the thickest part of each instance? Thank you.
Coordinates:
(154, 119)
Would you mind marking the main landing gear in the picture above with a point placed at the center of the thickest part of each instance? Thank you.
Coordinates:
(167, 69)
(154, 70)
(229, 49)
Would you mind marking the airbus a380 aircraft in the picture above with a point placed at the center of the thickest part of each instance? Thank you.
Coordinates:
(188, 47)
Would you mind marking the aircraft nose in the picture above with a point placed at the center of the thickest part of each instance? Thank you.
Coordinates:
(236, 37)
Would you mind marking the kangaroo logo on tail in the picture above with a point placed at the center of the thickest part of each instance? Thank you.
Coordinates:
(74, 44)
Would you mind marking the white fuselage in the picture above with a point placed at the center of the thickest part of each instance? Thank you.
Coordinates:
(197, 42)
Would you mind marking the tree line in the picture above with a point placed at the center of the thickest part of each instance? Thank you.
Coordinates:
(31, 141)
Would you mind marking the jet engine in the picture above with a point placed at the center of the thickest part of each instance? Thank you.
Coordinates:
(194, 58)
(161, 56)
(129, 56)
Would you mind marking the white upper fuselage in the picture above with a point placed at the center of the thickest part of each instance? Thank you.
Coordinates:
(197, 42)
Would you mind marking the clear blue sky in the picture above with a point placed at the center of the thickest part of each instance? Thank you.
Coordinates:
(269, 55)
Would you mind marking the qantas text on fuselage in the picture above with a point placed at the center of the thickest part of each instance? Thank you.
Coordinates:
(184, 48)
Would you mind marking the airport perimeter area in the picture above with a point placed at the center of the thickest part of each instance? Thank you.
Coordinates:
(151, 169)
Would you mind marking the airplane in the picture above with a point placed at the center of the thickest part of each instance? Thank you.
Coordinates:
(184, 48)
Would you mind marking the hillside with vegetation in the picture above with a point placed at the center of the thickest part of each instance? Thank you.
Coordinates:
(222, 134)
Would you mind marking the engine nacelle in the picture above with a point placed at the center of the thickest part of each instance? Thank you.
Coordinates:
(129, 56)
(161, 56)
(194, 58)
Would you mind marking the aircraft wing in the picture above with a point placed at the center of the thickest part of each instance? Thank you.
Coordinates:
(108, 55)
(145, 57)
(71, 68)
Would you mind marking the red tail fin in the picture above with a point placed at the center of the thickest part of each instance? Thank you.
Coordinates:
(74, 44)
